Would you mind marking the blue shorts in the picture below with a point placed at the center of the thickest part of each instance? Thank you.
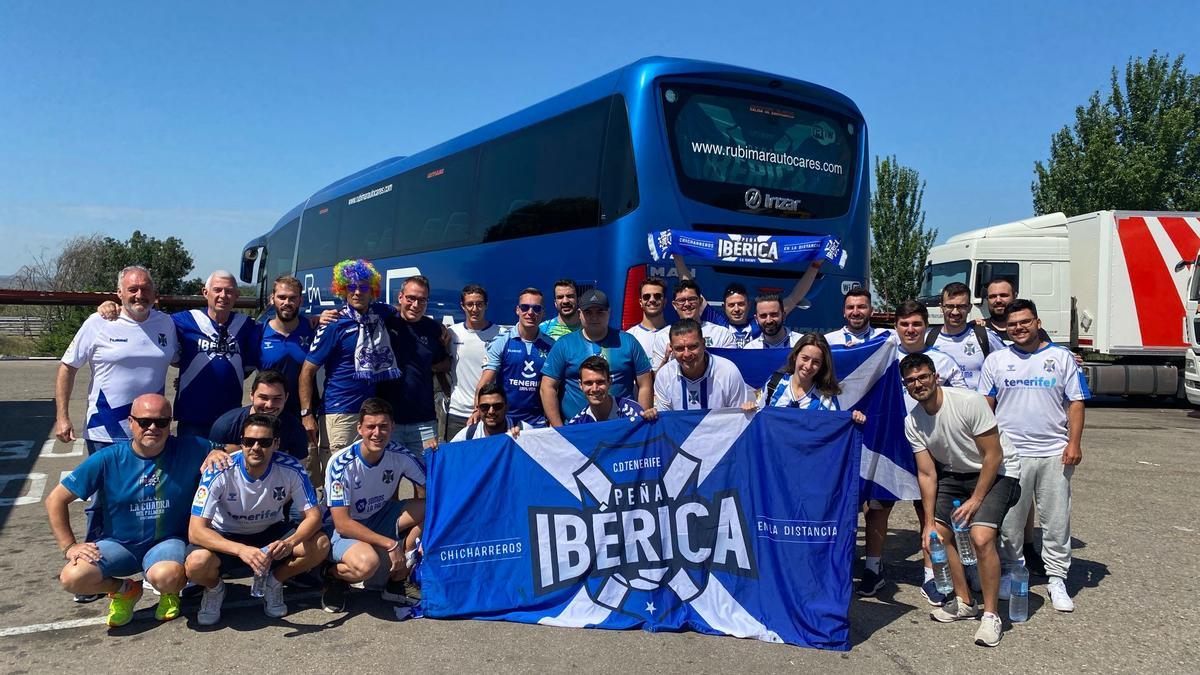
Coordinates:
(118, 560)
(414, 436)
(382, 522)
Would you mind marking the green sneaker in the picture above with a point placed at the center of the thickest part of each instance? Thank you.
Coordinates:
(122, 604)
(168, 607)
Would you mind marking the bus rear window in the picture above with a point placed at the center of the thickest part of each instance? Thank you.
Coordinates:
(760, 155)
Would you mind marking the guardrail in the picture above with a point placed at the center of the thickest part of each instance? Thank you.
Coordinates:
(15, 296)
(23, 326)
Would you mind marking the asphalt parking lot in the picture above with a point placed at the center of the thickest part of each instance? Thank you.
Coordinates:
(1134, 578)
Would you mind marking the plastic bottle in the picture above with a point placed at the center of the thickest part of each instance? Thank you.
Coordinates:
(1018, 598)
(962, 539)
(259, 587)
(941, 569)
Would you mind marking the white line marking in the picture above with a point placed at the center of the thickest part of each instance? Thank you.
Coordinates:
(145, 614)
(10, 450)
(73, 450)
(37, 485)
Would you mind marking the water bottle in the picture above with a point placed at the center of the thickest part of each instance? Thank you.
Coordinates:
(941, 570)
(259, 587)
(1018, 598)
(962, 539)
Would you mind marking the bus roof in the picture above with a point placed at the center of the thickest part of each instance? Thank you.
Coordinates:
(632, 76)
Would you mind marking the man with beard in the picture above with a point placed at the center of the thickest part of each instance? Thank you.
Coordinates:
(857, 311)
(768, 310)
(494, 420)
(286, 339)
(697, 380)
(567, 320)
(689, 304)
(967, 344)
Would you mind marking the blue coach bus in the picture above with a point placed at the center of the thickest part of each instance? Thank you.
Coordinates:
(571, 186)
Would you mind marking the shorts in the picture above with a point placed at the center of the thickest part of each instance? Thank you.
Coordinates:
(1000, 498)
(382, 522)
(119, 560)
(274, 532)
(414, 436)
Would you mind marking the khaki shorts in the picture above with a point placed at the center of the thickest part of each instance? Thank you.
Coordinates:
(338, 430)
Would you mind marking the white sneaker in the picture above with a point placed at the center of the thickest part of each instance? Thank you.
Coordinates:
(210, 605)
(991, 629)
(1058, 595)
(146, 585)
(1005, 586)
(273, 604)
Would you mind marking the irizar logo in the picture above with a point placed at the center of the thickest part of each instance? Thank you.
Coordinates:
(756, 199)
(737, 246)
(638, 536)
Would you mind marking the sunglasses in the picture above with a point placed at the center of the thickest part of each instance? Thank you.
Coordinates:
(536, 309)
(488, 407)
(147, 422)
(358, 288)
(251, 441)
(652, 296)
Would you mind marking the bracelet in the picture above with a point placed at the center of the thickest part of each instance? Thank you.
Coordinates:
(68, 550)
(394, 546)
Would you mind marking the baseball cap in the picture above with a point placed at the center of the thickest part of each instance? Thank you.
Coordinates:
(593, 299)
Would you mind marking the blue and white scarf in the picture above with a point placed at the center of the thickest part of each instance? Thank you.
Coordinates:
(745, 248)
(374, 360)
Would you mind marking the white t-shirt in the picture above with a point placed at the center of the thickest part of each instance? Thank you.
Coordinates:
(787, 339)
(235, 503)
(714, 335)
(721, 386)
(949, 435)
(948, 372)
(1032, 391)
(845, 338)
(128, 359)
(365, 488)
(468, 349)
(645, 337)
(966, 351)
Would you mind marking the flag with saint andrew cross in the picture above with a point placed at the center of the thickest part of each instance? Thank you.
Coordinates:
(719, 521)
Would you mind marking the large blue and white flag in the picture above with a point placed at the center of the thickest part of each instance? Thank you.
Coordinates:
(717, 521)
(870, 381)
(764, 249)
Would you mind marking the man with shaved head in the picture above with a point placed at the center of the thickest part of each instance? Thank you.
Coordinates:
(147, 484)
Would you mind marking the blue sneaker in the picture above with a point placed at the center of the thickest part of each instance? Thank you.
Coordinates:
(932, 595)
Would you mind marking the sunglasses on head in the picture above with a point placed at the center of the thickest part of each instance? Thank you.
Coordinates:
(536, 309)
(147, 422)
(251, 441)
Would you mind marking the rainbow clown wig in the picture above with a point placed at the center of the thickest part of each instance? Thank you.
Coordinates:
(358, 271)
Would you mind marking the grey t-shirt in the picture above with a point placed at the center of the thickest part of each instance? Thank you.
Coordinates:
(949, 435)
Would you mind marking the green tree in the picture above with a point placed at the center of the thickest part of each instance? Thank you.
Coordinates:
(168, 261)
(899, 240)
(1139, 148)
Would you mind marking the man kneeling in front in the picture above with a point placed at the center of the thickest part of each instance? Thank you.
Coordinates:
(239, 517)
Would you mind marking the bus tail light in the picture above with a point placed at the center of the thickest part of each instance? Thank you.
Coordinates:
(631, 309)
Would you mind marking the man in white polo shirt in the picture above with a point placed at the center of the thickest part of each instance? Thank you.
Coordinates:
(697, 380)
(1038, 392)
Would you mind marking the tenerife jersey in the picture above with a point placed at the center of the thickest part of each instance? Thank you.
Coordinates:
(213, 361)
(787, 340)
(844, 338)
(966, 351)
(333, 347)
(128, 359)
(623, 408)
(235, 503)
(645, 336)
(721, 386)
(364, 488)
(782, 397)
(518, 366)
(286, 354)
(714, 336)
(742, 335)
(145, 500)
(948, 372)
(1031, 391)
(468, 350)
(556, 328)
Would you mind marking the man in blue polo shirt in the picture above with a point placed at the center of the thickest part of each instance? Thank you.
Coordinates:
(286, 339)
(147, 485)
(218, 347)
(631, 375)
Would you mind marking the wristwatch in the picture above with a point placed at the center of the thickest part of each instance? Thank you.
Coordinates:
(305, 412)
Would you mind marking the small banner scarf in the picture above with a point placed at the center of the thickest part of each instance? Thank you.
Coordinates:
(764, 249)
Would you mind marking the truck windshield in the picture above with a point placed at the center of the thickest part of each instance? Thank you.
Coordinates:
(937, 275)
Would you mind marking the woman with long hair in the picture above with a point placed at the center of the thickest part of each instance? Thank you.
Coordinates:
(808, 381)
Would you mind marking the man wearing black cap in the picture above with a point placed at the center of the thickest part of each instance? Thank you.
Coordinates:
(627, 360)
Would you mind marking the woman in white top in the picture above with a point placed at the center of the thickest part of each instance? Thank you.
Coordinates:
(808, 381)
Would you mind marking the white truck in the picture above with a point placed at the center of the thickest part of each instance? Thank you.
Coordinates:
(1111, 285)
(1191, 373)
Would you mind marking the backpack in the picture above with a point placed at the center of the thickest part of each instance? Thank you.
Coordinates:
(981, 337)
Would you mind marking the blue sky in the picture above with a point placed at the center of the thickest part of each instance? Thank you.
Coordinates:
(208, 121)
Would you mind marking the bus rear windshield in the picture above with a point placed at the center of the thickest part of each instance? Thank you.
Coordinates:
(760, 155)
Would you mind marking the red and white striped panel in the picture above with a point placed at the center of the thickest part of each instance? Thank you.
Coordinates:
(1151, 247)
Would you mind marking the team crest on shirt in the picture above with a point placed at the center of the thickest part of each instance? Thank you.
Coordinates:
(969, 348)
(162, 339)
(1048, 365)
(528, 372)
(152, 479)
(693, 398)
(389, 476)
(279, 493)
